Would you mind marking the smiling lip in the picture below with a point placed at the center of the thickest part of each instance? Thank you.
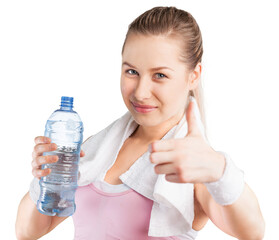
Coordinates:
(143, 108)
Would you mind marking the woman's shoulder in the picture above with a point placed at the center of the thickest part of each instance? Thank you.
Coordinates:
(97, 136)
(94, 140)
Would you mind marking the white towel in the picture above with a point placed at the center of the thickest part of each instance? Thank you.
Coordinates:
(173, 208)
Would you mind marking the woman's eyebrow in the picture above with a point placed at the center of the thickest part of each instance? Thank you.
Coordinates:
(151, 69)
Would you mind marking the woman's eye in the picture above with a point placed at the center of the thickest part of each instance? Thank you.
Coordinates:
(160, 75)
(131, 71)
(134, 72)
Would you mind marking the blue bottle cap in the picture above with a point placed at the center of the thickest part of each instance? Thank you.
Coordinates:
(67, 102)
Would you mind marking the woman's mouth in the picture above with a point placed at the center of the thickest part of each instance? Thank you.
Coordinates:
(143, 108)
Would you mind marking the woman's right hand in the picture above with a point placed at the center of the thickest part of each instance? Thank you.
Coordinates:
(43, 144)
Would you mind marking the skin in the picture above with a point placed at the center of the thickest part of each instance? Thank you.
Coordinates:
(186, 160)
(43, 144)
(166, 89)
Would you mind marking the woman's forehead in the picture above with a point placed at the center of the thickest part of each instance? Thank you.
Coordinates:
(159, 43)
(155, 50)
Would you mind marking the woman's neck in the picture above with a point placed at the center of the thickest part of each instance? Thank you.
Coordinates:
(146, 134)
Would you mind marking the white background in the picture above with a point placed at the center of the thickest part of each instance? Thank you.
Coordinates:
(73, 48)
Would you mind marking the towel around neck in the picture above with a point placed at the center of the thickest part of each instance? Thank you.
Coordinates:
(173, 208)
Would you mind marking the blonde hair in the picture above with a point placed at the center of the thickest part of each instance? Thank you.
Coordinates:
(178, 23)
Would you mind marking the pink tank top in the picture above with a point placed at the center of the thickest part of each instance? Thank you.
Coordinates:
(109, 216)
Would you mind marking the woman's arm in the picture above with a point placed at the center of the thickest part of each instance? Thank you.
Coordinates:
(242, 219)
(192, 160)
(30, 223)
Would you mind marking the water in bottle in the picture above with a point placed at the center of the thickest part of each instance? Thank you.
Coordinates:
(64, 128)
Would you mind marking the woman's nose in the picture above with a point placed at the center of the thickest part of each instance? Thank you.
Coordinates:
(143, 89)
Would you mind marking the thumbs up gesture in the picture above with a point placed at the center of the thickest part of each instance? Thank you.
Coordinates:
(189, 159)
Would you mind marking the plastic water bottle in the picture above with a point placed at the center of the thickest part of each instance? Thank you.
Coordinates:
(65, 128)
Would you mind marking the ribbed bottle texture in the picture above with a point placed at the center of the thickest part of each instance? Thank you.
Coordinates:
(65, 128)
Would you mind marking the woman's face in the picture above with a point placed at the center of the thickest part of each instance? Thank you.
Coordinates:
(153, 75)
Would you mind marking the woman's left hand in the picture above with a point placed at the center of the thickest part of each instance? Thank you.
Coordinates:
(189, 159)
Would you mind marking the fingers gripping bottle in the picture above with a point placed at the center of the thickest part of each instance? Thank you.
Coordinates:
(64, 128)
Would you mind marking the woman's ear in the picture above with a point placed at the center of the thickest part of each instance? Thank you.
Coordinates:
(194, 77)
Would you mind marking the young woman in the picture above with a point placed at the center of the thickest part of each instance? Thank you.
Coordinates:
(161, 86)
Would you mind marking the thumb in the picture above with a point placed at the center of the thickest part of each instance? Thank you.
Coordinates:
(193, 128)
